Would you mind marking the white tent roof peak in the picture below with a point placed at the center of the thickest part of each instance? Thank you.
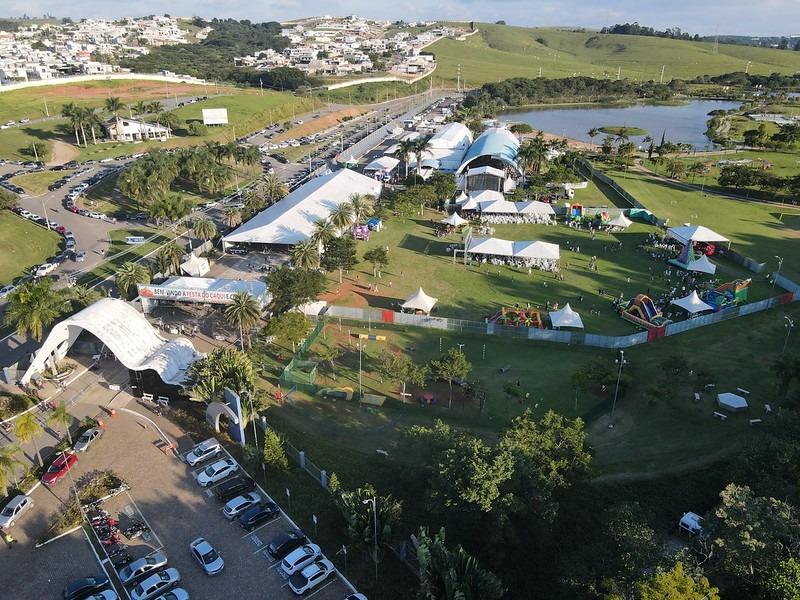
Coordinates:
(195, 265)
(692, 303)
(420, 301)
(620, 221)
(695, 233)
(566, 317)
(702, 265)
(455, 220)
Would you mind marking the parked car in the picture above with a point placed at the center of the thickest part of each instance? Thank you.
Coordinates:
(233, 487)
(142, 567)
(104, 595)
(14, 510)
(300, 558)
(156, 584)
(80, 589)
(217, 472)
(80, 256)
(208, 558)
(311, 576)
(241, 504)
(44, 269)
(176, 594)
(6, 290)
(203, 451)
(59, 468)
(87, 438)
(356, 596)
(284, 543)
(256, 515)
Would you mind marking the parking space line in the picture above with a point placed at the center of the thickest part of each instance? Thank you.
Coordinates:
(270, 522)
(322, 588)
(160, 545)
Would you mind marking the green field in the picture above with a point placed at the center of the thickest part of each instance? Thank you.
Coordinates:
(498, 52)
(616, 129)
(372, 93)
(36, 184)
(22, 245)
(119, 252)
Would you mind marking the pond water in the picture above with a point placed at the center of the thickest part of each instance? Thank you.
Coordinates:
(684, 123)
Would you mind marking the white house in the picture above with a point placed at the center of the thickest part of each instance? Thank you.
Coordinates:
(129, 130)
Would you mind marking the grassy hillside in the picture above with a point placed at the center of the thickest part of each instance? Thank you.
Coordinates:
(498, 52)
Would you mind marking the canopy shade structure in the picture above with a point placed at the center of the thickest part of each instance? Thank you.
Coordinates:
(731, 401)
(383, 163)
(566, 317)
(291, 221)
(702, 265)
(544, 250)
(195, 266)
(527, 249)
(455, 220)
(127, 334)
(692, 304)
(695, 233)
(534, 207)
(486, 196)
(620, 221)
(486, 170)
(496, 146)
(420, 301)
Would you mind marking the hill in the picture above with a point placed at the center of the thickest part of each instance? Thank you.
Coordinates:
(498, 52)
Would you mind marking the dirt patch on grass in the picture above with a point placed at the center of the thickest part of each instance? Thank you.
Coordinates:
(62, 153)
(126, 90)
(321, 124)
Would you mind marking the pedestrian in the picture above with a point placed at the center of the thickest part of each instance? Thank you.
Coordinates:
(9, 540)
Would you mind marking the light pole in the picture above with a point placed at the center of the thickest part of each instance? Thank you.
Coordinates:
(254, 416)
(360, 388)
(789, 326)
(621, 361)
(375, 534)
(778, 272)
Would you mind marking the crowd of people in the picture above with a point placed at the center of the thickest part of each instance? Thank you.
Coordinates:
(510, 219)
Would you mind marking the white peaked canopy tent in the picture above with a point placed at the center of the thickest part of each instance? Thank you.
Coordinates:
(516, 208)
(702, 265)
(543, 250)
(695, 233)
(420, 301)
(382, 163)
(195, 266)
(486, 196)
(500, 247)
(692, 304)
(493, 246)
(461, 198)
(486, 170)
(732, 402)
(620, 221)
(455, 220)
(566, 317)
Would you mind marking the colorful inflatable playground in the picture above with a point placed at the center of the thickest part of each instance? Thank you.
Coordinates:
(642, 311)
(517, 317)
(728, 294)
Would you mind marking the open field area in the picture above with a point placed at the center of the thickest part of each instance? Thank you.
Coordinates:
(23, 244)
(320, 124)
(372, 93)
(119, 252)
(498, 52)
(36, 184)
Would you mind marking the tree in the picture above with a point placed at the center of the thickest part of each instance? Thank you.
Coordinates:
(204, 228)
(232, 217)
(293, 287)
(532, 154)
(697, 168)
(676, 584)
(340, 253)
(342, 216)
(81, 296)
(27, 429)
(379, 257)
(8, 200)
(783, 583)
(274, 455)
(400, 368)
(155, 106)
(32, 307)
(39, 150)
(452, 574)
(172, 207)
(330, 354)
(243, 312)
(9, 463)
(290, 327)
(306, 255)
(139, 107)
(173, 253)
(197, 129)
(61, 417)
(593, 133)
(451, 365)
(221, 368)
(324, 232)
(421, 146)
(607, 146)
(272, 187)
(521, 128)
(363, 206)
(633, 546)
(405, 148)
(129, 275)
(114, 105)
(364, 522)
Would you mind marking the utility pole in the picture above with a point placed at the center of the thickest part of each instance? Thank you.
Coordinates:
(458, 78)
(540, 71)
(621, 362)
(789, 327)
(46, 110)
(35, 153)
(661, 79)
(747, 67)
(619, 72)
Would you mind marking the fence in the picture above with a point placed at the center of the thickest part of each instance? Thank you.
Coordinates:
(299, 373)
(599, 175)
(299, 458)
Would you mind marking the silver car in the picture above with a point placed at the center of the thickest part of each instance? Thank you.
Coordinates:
(205, 555)
(82, 444)
(203, 451)
(176, 594)
(14, 510)
(139, 568)
(156, 584)
(240, 504)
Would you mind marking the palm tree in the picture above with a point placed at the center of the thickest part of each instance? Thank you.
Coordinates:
(324, 232)
(421, 146)
(244, 311)
(91, 121)
(532, 154)
(232, 217)
(81, 296)
(405, 148)
(621, 136)
(306, 255)
(8, 466)
(114, 105)
(70, 111)
(60, 416)
(33, 307)
(129, 275)
(342, 216)
(139, 107)
(27, 429)
(363, 206)
(273, 187)
(155, 107)
(163, 264)
(204, 228)
(174, 253)
(593, 133)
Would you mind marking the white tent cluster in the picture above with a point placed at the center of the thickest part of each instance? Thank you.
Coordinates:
(620, 221)
(527, 249)
(455, 220)
(195, 266)
(702, 265)
(533, 207)
(695, 233)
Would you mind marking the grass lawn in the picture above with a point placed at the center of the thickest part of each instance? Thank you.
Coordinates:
(756, 230)
(36, 184)
(22, 245)
(371, 93)
(119, 252)
(616, 129)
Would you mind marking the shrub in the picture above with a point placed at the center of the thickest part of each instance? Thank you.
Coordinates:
(197, 128)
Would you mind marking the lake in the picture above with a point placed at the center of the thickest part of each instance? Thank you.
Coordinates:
(685, 123)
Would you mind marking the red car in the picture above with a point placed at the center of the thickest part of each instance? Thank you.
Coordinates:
(59, 468)
(61, 229)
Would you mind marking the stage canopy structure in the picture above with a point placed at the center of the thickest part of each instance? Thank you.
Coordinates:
(195, 266)
(732, 402)
(566, 317)
(382, 164)
(455, 220)
(620, 221)
(420, 301)
(702, 265)
(695, 233)
(692, 304)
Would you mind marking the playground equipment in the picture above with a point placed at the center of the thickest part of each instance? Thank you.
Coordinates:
(642, 311)
(375, 224)
(575, 212)
(343, 393)
(361, 232)
(517, 317)
(728, 294)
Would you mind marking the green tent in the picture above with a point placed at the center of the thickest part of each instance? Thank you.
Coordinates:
(642, 214)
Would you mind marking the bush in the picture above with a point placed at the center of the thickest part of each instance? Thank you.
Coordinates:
(274, 454)
(14, 404)
(197, 128)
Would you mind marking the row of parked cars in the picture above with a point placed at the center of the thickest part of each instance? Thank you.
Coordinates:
(59, 183)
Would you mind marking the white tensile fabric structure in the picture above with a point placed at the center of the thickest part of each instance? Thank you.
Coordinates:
(527, 249)
(566, 317)
(386, 164)
(455, 220)
(692, 304)
(620, 221)
(695, 233)
(291, 220)
(481, 196)
(486, 170)
(533, 207)
(731, 401)
(195, 266)
(420, 301)
(702, 265)
(126, 333)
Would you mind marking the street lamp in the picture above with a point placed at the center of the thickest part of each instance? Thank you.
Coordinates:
(375, 534)
(621, 362)
(778, 272)
(789, 326)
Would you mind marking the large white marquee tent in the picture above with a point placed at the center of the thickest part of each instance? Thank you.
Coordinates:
(695, 233)
(566, 317)
(420, 301)
(524, 249)
(692, 304)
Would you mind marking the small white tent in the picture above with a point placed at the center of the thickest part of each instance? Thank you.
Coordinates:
(695, 233)
(702, 265)
(732, 402)
(420, 301)
(620, 221)
(195, 266)
(455, 220)
(566, 317)
(692, 304)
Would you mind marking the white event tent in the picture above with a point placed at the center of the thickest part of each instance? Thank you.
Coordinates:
(420, 301)
(566, 317)
(455, 220)
(525, 249)
(384, 164)
(500, 206)
(695, 233)
(692, 304)
(702, 265)
(195, 266)
(620, 221)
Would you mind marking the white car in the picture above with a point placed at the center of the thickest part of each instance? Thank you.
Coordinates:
(176, 594)
(311, 576)
(14, 510)
(217, 472)
(96, 215)
(44, 269)
(241, 504)
(25, 120)
(6, 290)
(25, 214)
(89, 436)
(203, 451)
(156, 584)
(208, 558)
(298, 559)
